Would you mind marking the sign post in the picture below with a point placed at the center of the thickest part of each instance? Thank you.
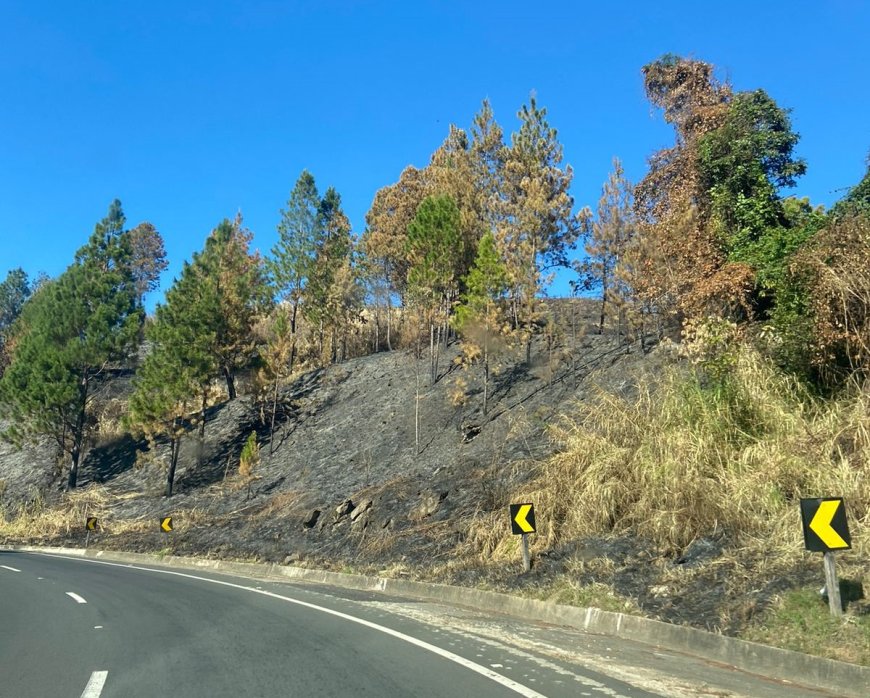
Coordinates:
(523, 523)
(826, 530)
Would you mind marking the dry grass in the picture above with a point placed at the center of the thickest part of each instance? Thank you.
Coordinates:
(680, 460)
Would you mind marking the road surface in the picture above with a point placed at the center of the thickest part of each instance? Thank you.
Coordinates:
(95, 629)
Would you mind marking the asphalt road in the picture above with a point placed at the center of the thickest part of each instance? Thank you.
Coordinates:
(82, 628)
(98, 629)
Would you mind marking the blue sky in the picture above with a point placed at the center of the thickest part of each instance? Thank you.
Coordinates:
(191, 111)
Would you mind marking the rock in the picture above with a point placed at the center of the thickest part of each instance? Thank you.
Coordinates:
(343, 509)
(429, 504)
(291, 558)
(363, 507)
(311, 520)
(361, 521)
(469, 431)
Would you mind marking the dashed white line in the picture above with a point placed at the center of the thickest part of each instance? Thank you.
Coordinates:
(508, 683)
(11, 569)
(95, 685)
(75, 597)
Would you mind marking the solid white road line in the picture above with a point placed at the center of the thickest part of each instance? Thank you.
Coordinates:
(75, 597)
(95, 685)
(514, 686)
(11, 569)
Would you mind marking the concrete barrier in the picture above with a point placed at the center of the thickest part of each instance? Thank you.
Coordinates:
(845, 679)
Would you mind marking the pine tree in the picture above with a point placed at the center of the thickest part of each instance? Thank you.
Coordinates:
(148, 258)
(537, 226)
(479, 317)
(234, 295)
(433, 247)
(384, 241)
(299, 236)
(331, 255)
(612, 233)
(74, 327)
(14, 292)
(179, 366)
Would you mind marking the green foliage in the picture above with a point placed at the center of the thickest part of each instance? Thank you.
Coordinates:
(433, 248)
(485, 284)
(232, 294)
(743, 164)
(249, 459)
(75, 325)
(299, 235)
(14, 291)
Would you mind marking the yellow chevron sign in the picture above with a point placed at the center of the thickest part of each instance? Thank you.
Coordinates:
(825, 525)
(91, 523)
(166, 524)
(522, 518)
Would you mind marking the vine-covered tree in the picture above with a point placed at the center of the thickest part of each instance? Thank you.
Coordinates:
(73, 328)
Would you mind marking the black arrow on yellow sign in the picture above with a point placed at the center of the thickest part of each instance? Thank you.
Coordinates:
(91, 524)
(166, 524)
(825, 526)
(522, 518)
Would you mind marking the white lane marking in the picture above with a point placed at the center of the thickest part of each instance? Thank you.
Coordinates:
(461, 661)
(95, 685)
(11, 569)
(75, 597)
(98, 627)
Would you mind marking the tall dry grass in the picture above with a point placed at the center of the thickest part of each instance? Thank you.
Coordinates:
(682, 458)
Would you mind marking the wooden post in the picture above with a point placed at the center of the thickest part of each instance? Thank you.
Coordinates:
(832, 584)
(527, 562)
(87, 528)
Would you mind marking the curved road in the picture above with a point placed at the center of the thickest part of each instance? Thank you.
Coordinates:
(81, 628)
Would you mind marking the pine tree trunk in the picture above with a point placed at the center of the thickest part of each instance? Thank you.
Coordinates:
(272, 425)
(175, 447)
(389, 323)
(231, 382)
(78, 433)
(202, 416)
(293, 334)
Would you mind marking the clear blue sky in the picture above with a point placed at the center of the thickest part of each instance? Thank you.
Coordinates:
(191, 111)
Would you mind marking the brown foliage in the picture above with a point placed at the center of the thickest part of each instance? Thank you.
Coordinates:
(836, 266)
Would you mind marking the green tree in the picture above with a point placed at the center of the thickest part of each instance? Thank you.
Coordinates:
(73, 329)
(299, 236)
(479, 317)
(235, 293)
(14, 292)
(331, 254)
(434, 249)
(743, 164)
(179, 366)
